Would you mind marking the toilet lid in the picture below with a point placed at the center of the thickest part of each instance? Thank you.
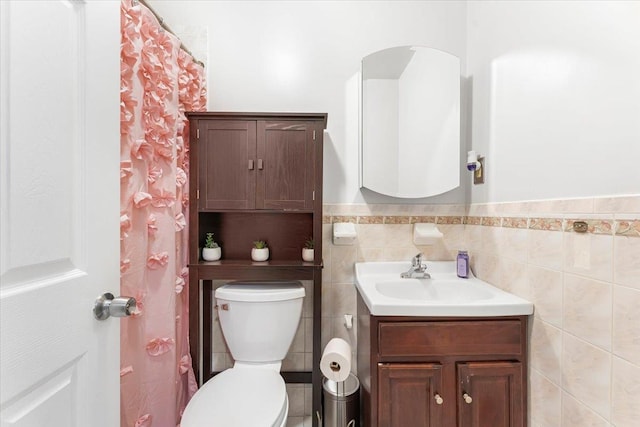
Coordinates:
(239, 397)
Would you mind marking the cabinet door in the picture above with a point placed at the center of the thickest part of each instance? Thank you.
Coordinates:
(285, 165)
(490, 394)
(409, 395)
(226, 153)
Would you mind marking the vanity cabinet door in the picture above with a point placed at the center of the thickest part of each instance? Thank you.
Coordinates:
(410, 395)
(285, 164)
(226, 162)
(490, 394)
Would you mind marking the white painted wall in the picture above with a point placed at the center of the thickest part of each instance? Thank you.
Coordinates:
(556, 98)
(304, 56)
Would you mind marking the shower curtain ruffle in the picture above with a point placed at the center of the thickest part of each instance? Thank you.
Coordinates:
(159, 82)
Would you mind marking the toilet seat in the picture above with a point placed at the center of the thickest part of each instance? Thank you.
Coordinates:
(243, 396)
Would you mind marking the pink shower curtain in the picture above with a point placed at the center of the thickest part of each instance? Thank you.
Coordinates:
(159, 82)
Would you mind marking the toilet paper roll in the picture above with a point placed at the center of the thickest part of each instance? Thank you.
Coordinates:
(335, 363)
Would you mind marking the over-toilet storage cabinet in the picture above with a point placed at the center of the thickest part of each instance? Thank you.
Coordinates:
(254, 176)
(442, 372)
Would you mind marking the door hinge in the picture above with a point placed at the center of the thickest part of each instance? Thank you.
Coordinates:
(313, 195)
(314, 135)
(198, 194)
(197, 133)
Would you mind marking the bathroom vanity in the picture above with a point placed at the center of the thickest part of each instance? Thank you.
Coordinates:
(454, 365)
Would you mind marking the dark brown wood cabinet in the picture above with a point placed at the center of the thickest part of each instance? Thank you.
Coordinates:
(444, 372)
(254, 176)
(257, 164)
(409, 394)
(492, 394)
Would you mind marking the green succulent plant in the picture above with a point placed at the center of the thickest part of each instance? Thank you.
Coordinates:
(259, 244)
(309, 243)
(209, 243)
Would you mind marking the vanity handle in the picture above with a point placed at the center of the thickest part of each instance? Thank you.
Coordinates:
(467, 398)
(439, 400)
(250, 165)
(259, 164)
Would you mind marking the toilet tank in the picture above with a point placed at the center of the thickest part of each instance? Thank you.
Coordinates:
(259, 319)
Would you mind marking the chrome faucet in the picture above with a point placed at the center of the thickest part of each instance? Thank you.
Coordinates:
(418, 270)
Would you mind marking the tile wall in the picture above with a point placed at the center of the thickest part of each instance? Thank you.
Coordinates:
(585, 333)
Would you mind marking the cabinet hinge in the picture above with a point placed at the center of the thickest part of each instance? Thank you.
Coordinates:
(314, 135)
(313, 195)
(197, 133)
(197, 194)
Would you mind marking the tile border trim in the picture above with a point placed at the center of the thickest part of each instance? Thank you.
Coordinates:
(617, 227)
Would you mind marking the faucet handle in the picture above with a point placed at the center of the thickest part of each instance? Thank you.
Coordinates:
(416, 262)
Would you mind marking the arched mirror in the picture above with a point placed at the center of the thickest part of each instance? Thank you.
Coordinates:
(410, 122)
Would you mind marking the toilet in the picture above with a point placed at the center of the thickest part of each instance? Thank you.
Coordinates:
(259, 321)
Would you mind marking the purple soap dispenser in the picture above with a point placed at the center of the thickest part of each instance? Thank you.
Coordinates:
(462, 264)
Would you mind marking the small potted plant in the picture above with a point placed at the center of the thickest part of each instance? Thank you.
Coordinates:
(211, 250)
(260, 251)
(307, 251)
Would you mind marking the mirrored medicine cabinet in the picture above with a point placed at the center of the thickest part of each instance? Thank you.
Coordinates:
(410, 122)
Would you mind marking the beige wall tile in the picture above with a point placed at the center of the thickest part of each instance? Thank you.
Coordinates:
(626, 262)
(308, 335)
(546, 350)
(513, 278)
(344, 301)
(473, 237)
(327, 299)
(370, 254)
(546, 399)
(575, 414)
(307, 302)
(486, 267)
(546, 294)
(491, 238)
(295, 392)
(628, 203)
(589, 255)
(403, 254)
(398, 235)
(221, 361)
(297, 345)
(343, 259)
(626, 323)
(625, 391)
(514, 243)
(545, 248)
(587, 309)
(293, 362)
(371, 235)
(587, 374)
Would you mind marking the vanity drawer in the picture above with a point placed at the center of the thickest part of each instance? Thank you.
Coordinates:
(448, 338)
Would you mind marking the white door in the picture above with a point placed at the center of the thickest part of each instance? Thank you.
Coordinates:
(59, 195)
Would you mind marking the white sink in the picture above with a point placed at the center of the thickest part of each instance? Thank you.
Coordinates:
(444, 294)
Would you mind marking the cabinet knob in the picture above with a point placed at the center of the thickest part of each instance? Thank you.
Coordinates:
(439, 400)
(467, 398)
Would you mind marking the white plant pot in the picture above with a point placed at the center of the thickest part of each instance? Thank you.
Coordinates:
(211, 254)
(307, 255)
(260, 254)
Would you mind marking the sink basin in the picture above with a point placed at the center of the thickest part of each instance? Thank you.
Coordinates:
(445, 291)
(444, 294)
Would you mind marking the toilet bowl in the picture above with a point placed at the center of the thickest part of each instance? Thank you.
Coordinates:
(240, 396)
(258, 321)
